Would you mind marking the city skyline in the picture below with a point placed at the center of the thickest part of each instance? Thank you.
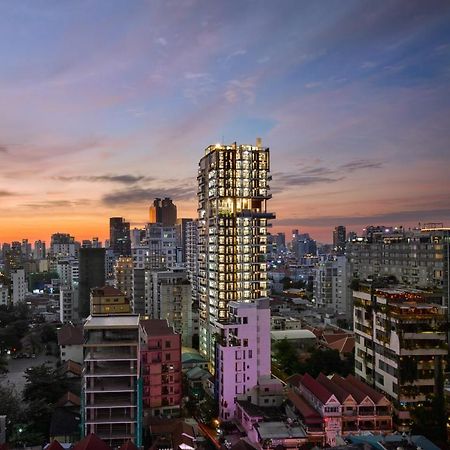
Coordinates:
(103, 110)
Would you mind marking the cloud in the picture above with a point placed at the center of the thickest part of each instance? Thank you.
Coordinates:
(241, 90)
(123, 179)
(140, 195)
(308, 175)
(3, 149)
(313, 84)
(386, 218)
(6, 193)
(161, 41)
(284, 181)
(361, 164)
(368, 65)
(239, 52)
(58, 204)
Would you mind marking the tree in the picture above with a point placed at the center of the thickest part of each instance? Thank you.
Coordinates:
(326, 361)
(39, 415)
(44, 383)
(48, 334)
(286, 357)
(10, 403)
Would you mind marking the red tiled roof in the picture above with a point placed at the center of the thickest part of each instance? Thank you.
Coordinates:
(69, 397)
(306, 410)
(340, 393)
(344, 345)
(72, 366)
(91, 442)
(70, 335)
(322, 393)
(372, 393)
(357, 394)
(317, 331)
(333, 337)
(294, 380)
(157, 327)
(55, 445)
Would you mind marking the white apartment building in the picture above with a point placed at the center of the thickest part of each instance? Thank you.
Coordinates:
(19, 286)
(331, 280)
(169, 297)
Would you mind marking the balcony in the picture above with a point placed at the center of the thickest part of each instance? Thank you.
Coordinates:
(112, 371)
(111, 356)
(117, 401)
(113, 419)
(366, 412)
(110, 386)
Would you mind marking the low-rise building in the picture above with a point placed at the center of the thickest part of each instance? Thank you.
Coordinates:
(161, 368)
(109, 300)
(331, 407)
(70, 341)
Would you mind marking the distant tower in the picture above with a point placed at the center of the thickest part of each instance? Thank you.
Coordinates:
(339, 237)
(91, 275)
(119, 236)
(163, 211)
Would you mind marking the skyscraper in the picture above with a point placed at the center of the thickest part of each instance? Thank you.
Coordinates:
(339, 238)
(91, 275)
(163, 211)
(119, 236)
(233, 192)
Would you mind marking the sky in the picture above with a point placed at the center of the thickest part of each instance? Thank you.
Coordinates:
(105, 105)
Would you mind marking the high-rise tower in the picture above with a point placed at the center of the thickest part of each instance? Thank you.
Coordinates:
(233, 192)
(119, 236)
(163, 211)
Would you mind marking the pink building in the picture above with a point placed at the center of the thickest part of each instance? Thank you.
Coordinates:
(161, 368)
(242, 353)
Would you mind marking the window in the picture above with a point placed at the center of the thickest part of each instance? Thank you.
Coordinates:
(167, 356)
(245, 320)
(168, 344)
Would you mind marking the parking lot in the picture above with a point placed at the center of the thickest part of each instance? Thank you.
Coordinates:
(17, 367)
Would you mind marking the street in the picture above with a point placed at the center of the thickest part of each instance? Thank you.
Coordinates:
(17, 367)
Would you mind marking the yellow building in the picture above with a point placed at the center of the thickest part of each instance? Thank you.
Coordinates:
(109, 300)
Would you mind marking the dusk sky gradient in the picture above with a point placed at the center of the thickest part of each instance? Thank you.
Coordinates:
(105, 105)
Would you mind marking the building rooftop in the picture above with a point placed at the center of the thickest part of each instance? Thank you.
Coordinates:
(303, 407)
(91, 442)
(292, 334)
(112, 321)
(279, 430)
(156, 327)
(266, 412)
(107, 291)
(313, 386)
(70, 335)
(189, 355)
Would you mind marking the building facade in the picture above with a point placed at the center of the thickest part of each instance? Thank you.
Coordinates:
(400, 343)
(170, 299)
(242, 354)
(111, 387)
(119, 236)
(233, 191)
(331, 285)
(161, 368)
